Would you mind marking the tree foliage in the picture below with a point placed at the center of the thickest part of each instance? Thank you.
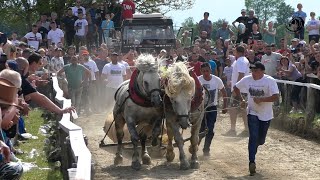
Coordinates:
(264, 9)
(284, 13)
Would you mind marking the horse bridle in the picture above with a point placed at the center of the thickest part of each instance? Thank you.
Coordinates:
(149, 93)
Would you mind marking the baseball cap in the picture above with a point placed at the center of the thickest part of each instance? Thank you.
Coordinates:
(243, 10)
(8, 92)
(257, 65)
(114, 54)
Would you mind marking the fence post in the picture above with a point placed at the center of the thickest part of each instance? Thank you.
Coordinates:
(287, 99)
(310, 110)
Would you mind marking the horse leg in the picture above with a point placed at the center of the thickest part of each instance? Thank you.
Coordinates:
(144, 153)
(135, 139)
(184, 164)
(193, 149)
(156, 131)
(170, 154)
(119, 124)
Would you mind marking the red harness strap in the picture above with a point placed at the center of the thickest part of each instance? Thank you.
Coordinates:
(198, 96)
(134, 95)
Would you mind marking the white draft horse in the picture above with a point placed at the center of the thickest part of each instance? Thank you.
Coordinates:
(146, 86)
(185, 108)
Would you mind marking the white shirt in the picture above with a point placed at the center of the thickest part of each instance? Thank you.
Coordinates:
(241, 65)
(227, 71)
(33, 39)
(264, 87)
(55, 36)
(125, 64)
(92, 66)
(314, 23)
(75, 11)
(214, 85)
(56, 63)
(16, 42)
(115, 73)
(270, 63)
(81, 23)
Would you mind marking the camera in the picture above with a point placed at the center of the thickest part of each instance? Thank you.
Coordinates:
(3, 60)
(3, 38)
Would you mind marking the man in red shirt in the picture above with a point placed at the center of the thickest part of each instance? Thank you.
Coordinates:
(128, 9)
(195, 63)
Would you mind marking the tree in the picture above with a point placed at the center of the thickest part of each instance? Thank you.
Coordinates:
(264, 9)
(163, 6)
(189, 25)
(284, 13)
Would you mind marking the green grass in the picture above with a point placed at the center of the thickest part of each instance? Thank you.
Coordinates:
(33, 122)
(296, 115)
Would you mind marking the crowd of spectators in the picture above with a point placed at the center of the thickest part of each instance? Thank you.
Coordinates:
(74, 46)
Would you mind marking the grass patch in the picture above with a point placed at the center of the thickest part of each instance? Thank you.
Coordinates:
(296, 115)
(33, 122)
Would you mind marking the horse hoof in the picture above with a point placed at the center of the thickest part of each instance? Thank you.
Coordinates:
(118, 160)
(184, 165)
(195, 165)
(170, 156)
(146, 159)
(136, 165)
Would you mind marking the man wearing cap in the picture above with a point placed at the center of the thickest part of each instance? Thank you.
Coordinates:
(56, 62)
(242, 19)
(113, 74)
(262, 91)
(8, 117)
(81, 28)
(93, 83)
(75, 9)
(55, 35)
(33, 38)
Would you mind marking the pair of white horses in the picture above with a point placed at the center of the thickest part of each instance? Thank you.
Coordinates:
(179, 90)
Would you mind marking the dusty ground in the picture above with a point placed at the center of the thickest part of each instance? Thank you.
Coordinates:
(284, 156)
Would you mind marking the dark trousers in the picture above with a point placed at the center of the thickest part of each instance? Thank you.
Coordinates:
(70, 37)
(314, 37)
(295, 93)
(299, 34)
(243, 37)
(257, 135)
(209, 120)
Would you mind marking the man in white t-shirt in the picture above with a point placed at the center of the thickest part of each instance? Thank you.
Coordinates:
(214, 84)
(262, 92)
(125, 65)
(77, 7)
(33, 38)
(55, 35)
(271, 61)
(113, 74)
(313, 27)
(93, 84)
(81, 28)
(240, 68)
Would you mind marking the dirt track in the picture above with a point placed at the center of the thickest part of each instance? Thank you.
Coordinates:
(284, 156)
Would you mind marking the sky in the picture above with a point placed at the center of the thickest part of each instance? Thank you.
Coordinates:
(230, 10)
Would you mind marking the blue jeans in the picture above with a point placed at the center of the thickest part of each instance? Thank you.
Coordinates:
(209, 118)
(257, 134)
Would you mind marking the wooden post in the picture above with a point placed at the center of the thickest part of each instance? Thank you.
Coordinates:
(311, 107)
(287, 99)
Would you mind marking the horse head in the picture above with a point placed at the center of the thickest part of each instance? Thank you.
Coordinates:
(180, 89)
(149, 78)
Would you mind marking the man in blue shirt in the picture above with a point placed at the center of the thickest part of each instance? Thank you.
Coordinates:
(300, 14)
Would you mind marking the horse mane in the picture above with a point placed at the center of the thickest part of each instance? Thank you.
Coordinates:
(146, 62)
(179, 81)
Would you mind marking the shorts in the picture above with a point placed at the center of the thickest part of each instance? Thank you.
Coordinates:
(235, 101)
